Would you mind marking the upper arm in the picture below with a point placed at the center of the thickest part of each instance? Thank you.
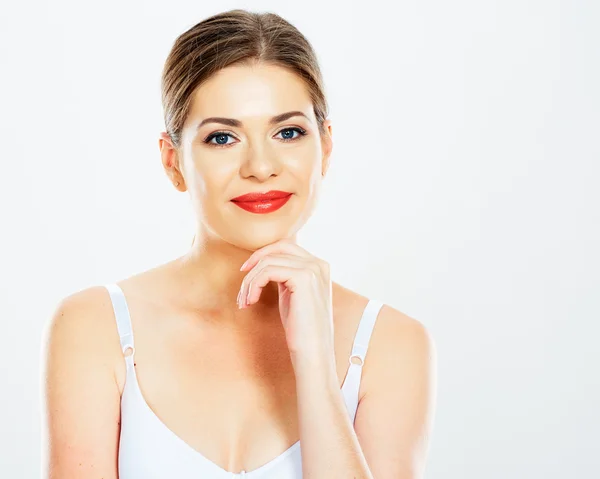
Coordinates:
(81, 398)
(395, 416)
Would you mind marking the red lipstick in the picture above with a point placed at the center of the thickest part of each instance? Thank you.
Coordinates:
(262, 202)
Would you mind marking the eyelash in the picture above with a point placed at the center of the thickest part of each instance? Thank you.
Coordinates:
(207, 140)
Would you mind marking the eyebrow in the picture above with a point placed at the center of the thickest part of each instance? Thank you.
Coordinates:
(237, 123)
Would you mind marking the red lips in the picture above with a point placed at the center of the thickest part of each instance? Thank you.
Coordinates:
(262, 202)
(269, 195)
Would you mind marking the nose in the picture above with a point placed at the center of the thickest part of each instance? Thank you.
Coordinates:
(261, 162)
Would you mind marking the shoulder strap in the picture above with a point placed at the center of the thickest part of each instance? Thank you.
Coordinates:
(359, 351)
(123, 318)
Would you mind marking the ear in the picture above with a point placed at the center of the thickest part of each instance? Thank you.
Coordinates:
(170, 161)
(326, 146)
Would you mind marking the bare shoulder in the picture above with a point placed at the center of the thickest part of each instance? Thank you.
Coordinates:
(85, 317)
(400, 346)
(82, 330)
(399, 336)
(81, 397)
(396, 409)
(86, 300)
(395, 333)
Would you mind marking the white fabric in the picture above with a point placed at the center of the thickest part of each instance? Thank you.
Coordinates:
(148, 449)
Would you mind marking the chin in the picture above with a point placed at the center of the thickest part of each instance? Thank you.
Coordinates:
(253, 238)
(254, 231)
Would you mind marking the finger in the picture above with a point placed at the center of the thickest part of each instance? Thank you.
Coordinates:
(287, 275)
(281, 246)
(281, 260)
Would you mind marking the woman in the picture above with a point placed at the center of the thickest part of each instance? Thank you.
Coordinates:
(166, 374)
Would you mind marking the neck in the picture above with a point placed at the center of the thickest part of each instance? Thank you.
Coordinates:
(211, 277)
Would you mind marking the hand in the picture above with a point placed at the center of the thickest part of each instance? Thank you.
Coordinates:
(305, 304)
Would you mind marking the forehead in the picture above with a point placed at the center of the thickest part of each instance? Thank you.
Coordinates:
(247, 91)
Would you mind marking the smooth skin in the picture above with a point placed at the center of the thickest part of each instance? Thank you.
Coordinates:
(197, 353)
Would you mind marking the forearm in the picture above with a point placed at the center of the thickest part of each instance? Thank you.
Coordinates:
(330, 447)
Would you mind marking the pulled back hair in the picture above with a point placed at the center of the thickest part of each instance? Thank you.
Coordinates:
(235, 37)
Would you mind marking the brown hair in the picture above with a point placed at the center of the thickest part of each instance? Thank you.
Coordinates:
(236, 36)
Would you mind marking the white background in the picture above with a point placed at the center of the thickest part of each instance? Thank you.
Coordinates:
(463, 192)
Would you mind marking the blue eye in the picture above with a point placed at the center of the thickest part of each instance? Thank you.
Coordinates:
(221, 136)
(300, 132)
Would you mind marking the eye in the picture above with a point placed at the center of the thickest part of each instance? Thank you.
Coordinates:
(289, 132)
(221, 138)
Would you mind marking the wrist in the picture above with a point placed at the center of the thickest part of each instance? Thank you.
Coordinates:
(319, 368)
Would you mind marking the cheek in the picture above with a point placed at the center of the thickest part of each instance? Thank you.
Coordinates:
(307, 177)
(213, 174)
(306, 161)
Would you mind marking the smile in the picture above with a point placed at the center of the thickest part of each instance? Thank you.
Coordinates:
(264, 205)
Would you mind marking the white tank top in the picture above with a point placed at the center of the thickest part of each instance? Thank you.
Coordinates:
(148, 449)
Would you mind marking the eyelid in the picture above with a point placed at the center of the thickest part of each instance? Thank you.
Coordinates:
(301, 132)
(210, 136)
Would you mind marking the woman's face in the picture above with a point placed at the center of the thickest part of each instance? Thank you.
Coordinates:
(251, 152)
